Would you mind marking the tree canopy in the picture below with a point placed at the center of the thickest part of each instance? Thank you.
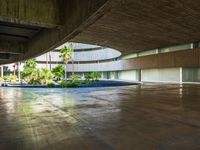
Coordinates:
(58, 72)
(66, 54)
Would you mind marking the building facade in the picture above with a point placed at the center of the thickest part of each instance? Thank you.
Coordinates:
(167, 64)
(178, 63)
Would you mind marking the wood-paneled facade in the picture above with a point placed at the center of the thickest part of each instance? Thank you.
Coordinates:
(184, 58)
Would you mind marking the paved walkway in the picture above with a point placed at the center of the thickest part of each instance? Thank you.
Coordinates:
(147, 117)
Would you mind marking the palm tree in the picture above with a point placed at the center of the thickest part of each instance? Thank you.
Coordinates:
(18, 70)
(14, 67)
(50, 60)
(66, 54)
(72, 44)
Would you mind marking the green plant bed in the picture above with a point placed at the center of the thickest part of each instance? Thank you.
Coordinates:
(72, 85)
(11, 78)
(51, 85)
(36, 76)
(63, 84)
(69, 84)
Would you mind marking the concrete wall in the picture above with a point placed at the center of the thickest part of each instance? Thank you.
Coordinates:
(90, 67)
(162, 75)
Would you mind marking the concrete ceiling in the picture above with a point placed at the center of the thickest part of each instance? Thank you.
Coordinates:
(137, 25)
(17, 32)
(30, 28)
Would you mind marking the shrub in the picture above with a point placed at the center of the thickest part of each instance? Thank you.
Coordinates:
(76, 78)
(39, 76)
(5, 78)
(10, 78)
(96, 75)
(91, 77)
(34, 82)
(1, 79)
(33, 78)
(63, 84)
(29, 67)
(51, 85)
(58, 72)
(72, 85)
(45, 76)
(88, 78)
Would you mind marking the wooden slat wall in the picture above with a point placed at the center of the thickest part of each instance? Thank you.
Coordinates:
(185, 58)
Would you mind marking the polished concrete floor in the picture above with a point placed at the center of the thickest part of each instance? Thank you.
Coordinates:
(140, 117)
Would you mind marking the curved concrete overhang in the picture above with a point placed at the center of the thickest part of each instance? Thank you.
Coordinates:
(80, 46)
(85, 53)
(31, 28)
(96, 55)
(132, 25)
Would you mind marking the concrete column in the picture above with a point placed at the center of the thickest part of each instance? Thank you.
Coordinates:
(157, 51)
(181, 74)
(191, 45)
(83, 76)
(139, 75)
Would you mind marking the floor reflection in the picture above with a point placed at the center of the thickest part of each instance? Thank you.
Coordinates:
(133, 117)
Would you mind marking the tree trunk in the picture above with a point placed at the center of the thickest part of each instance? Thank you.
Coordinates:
(14, 70)
(65, 71)
(18, 68)
(65, 62)
(49, 60)
(72, 69)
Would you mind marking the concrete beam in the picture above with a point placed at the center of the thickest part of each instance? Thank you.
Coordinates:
(11, 48)
(77, 19)
(4, 56)
(43, 13)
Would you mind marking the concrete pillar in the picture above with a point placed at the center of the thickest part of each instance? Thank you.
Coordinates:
(83, 76)
(191, 45)
(139, 75)
(181, 74)
(157, 51)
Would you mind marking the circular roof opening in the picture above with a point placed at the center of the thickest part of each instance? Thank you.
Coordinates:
(88, 52)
